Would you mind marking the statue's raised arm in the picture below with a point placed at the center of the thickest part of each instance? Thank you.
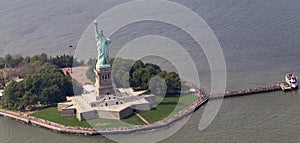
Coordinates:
(96, 29)
(102, 48)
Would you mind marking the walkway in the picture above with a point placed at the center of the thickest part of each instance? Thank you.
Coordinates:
(79, 74)
(142, 118)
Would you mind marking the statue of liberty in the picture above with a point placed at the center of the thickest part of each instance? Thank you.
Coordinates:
(102, 48)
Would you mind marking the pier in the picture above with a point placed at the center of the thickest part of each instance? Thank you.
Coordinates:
(245, 92)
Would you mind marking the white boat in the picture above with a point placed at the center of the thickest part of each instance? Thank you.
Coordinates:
(291, 80)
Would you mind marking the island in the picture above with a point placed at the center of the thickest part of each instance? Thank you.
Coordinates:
(44, 91)
(35, 85)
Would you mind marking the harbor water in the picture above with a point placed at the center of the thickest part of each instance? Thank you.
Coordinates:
(260, 41)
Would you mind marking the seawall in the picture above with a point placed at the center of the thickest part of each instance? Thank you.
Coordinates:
(203, 98)
(91, 131)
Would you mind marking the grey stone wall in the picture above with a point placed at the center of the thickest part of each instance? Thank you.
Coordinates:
(103, 83)
(68, 112)
(60, 106)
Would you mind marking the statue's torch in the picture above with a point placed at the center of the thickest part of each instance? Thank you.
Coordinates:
(96, 27)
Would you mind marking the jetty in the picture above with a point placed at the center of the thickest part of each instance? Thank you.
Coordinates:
(291, 83)
(244, 92)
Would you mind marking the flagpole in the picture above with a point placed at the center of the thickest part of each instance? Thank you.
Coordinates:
(70, 48)
(72, 60)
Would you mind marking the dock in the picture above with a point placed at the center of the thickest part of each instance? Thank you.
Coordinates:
(245, 92)
(285, 87)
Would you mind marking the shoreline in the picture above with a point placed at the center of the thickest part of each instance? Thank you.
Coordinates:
(203, 99)
(26, 118)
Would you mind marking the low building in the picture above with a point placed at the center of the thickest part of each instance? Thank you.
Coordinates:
(88, 88)
(87, 107)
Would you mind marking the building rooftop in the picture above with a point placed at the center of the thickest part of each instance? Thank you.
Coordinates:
(89, 88)
(83, 104)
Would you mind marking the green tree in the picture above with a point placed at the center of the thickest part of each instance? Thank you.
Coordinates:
(172, 81)
(48, 86)
(137, 74)
(13, 62)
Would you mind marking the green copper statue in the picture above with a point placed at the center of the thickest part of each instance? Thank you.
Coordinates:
(102, 48)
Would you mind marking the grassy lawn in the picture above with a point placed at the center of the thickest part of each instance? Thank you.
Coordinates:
(51, 114)
(106, 123)
(168, 106)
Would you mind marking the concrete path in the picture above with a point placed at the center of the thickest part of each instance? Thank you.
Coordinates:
(79, 74)
(142, 118)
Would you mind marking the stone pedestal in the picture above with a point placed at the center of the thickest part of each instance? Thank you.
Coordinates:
(103, 85)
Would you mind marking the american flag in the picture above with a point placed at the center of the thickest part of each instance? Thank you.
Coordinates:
(72, 47)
